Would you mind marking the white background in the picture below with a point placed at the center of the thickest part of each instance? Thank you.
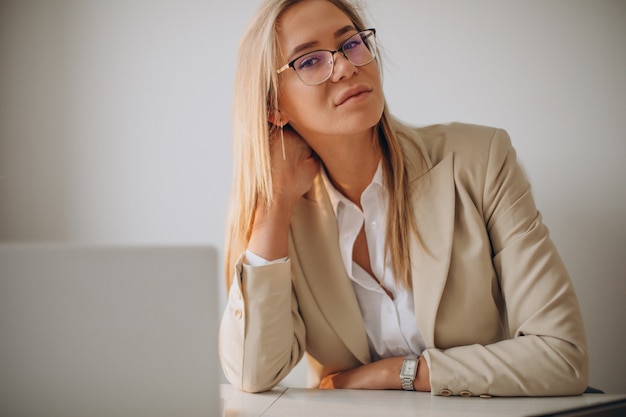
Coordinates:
(115, 121)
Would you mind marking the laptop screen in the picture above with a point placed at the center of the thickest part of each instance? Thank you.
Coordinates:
(108, 331)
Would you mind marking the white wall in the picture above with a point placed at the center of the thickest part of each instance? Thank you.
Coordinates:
(115, 120)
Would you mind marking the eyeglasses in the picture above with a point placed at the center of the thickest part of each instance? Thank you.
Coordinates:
(315, 67)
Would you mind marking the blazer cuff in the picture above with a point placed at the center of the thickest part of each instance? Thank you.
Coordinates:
(253, 259)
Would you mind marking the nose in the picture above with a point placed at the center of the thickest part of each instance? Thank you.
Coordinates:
(342, 67)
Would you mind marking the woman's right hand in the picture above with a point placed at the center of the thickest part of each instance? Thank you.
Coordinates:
(291, 177)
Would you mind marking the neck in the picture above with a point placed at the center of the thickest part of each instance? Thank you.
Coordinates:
(351, 163)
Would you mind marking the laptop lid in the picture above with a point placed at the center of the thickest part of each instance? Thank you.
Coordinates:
(108, 331)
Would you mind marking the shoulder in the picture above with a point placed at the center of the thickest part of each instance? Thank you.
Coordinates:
(476, 154)
(469, 142)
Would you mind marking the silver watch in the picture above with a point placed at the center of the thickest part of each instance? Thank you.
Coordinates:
(408, 372)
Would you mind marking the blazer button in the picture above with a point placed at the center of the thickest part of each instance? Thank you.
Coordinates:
(445, 392)
(465, 393)
(238, 313)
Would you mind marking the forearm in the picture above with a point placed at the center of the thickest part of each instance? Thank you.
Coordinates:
(261, 334)
(270, 230)
(382, 374)
(523, 366)
(291, 178)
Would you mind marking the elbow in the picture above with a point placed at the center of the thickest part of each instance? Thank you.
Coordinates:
(257, 388)
(251, 385)
(576, 378)
(576, 385)
(247, 381)
(255, 382)
(580, 370)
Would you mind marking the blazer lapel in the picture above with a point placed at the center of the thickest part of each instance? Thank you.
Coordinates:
(434, 202)
(315, 233)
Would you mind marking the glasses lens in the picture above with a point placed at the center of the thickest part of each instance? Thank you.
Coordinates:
(360, 48)
(314, 68)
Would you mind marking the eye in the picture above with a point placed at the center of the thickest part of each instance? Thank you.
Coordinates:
(352, 43)
(309, 61)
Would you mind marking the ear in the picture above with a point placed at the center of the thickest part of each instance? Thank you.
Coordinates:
(277, 118)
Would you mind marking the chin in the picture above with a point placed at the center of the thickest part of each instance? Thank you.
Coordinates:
(362, 122)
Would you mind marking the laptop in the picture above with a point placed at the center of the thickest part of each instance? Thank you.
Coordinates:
(108, 331)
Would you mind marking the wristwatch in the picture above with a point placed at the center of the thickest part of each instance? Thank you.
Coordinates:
(408, 372)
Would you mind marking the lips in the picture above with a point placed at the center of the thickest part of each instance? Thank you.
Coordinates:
(352, 92)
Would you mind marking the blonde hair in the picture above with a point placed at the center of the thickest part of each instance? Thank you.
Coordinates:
(255, 96)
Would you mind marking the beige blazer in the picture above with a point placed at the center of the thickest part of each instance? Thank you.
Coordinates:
(493, 300)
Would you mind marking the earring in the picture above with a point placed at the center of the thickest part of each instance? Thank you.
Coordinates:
(282, 142)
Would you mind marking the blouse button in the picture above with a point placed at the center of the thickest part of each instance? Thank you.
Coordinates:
(238, 313)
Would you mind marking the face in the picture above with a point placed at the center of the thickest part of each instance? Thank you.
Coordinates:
(350, 102)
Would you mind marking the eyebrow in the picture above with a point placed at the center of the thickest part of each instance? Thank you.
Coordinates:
(340, 32)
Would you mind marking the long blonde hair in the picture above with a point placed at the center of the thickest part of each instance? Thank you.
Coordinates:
(255, 96)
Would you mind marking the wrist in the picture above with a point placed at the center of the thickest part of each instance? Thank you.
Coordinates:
(422, 379)
(279, 207)
(270, 229)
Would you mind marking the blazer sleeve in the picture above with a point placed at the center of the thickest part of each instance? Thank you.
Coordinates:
(262, 335)
(545, 352)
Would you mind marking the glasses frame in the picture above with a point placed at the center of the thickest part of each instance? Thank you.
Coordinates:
(291, 64)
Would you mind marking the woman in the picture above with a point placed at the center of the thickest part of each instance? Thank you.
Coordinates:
(396, 258)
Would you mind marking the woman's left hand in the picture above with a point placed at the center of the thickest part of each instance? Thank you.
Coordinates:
(382, 374)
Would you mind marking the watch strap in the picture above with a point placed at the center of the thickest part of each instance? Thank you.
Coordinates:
(407, 384)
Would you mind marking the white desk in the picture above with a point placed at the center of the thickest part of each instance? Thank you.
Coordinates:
(298, 402)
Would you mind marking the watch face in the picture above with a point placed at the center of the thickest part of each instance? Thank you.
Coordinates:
(408, 367)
